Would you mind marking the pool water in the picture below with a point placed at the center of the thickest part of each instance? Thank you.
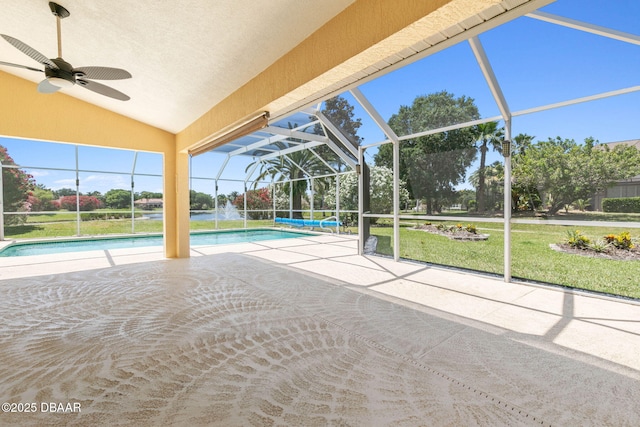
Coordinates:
(212, 238)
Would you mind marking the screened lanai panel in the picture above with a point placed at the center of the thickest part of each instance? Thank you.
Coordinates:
(92, 158)
(619, 16)
(366, 130)
(457, 193)
(28, 152)
(606, 120)
(547, 63)
(452, 74)
(238, 144)
(149, 164)
(293, 121)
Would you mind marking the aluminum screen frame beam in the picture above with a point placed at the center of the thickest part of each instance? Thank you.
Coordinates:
(382, 124)
(585, 26)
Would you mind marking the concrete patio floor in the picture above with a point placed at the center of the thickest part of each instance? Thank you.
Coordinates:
(306, 332)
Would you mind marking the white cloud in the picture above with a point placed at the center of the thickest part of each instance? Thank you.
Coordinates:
(38, 173)
(63, 183)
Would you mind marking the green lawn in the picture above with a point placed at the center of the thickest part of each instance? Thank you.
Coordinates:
(532, 258)
(61, 225)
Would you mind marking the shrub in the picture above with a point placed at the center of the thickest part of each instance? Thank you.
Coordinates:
(582, 204)
(599, 246)
(457, 228)
(93, 216)
(87, 203)
(577, 240)
(620, 241)
(622, 204)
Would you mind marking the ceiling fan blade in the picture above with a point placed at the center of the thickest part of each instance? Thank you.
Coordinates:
(29, 51)
(103, 89)
(19, 66)
(103, 73)
(46, 87)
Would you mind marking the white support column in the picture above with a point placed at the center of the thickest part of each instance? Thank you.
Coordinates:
(507, 201)
(215, 205)
(377, 118)
(498, 96)
(77, 194)
(361, 241)
(245, 204)
(337, 204)
(290, 199)
(273, 190)
(396, 200)
(311, 205)
(1, 203)
(133, 212)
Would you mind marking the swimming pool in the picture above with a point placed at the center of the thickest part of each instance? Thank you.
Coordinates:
(200, 238)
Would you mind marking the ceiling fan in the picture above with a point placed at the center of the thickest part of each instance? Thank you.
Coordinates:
(60, 74)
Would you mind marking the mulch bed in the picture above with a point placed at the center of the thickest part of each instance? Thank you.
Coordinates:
(611, 253)
(457, 235)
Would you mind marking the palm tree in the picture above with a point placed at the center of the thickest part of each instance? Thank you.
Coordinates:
(487, 135)
(494, 181)
(291, 167)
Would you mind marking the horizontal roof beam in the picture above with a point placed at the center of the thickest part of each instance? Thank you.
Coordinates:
(452, 127)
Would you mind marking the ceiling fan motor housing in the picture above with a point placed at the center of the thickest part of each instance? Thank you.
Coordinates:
(64, 73)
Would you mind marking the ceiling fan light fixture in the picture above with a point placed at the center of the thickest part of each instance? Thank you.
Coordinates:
(59, 74)
(60, 82)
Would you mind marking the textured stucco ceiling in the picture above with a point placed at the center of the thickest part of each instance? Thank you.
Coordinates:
(185, 56)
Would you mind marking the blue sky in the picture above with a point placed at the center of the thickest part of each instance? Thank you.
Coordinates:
(536, 63)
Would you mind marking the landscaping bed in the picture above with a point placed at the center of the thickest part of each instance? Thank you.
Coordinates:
(454, 232)
(612, 253)
(612, 246)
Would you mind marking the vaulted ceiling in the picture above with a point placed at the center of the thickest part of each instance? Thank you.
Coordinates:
(184, 56)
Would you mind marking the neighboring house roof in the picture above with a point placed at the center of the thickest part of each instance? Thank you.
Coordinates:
(148, 201)
(631, 142)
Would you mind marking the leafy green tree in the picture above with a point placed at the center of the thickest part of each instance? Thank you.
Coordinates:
(16, 189)
(466, 198)
(493, 188)
(381, 191)
(200, 201)
(432, 165)
(524, 197)
(565, 171)
(64, 192)
(147, 195)
(42, 199)
(341, 114)
(117, 199)
(488, 135)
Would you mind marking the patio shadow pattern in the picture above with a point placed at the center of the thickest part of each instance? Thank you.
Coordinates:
(233, 339)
